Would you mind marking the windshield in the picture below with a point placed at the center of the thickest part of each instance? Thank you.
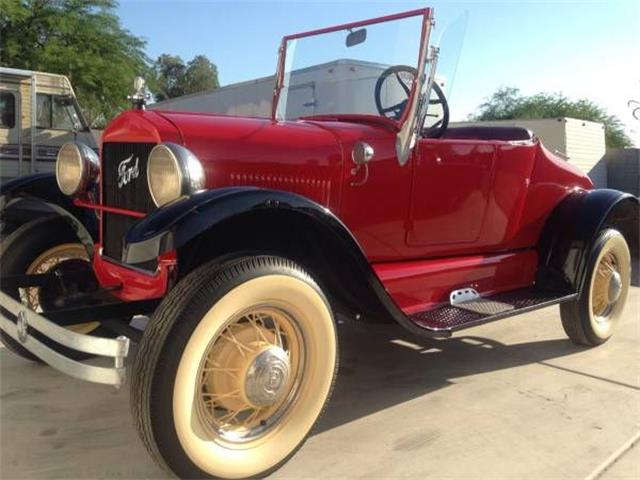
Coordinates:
(366, 68)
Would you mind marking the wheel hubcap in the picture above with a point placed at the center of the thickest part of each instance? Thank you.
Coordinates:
(615, 287)
(607, 286)
(267, 377)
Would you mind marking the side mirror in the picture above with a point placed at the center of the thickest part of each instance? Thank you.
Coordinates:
(65, 100)
(362, 153)
(356, 37)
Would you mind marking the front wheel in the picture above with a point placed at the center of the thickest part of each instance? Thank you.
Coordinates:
(234, 369)
(591, 319)
(43, 246)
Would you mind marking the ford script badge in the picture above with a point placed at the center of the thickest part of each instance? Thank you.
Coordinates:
(127, 171)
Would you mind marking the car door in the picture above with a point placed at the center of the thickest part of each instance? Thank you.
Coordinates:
(452, 182)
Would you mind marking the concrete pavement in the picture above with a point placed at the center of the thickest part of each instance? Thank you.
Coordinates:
(511, 399)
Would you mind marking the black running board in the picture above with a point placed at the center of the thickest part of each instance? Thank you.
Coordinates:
(444, 320)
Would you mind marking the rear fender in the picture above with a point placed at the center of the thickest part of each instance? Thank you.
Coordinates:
(34, 196)
(573, 227)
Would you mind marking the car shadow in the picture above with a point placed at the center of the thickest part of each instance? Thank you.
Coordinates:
(383, 366)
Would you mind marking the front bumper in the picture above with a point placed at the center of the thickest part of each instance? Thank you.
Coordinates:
(26, 321)
(128, 283)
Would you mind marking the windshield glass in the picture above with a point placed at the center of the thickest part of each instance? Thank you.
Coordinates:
(364, 70)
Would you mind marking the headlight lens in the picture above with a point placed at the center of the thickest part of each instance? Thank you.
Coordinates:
(173, 171)
(76, 166)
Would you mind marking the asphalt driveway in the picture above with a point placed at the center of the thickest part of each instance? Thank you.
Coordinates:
(511, 399)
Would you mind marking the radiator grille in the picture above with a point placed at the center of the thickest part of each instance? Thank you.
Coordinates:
(113, 230)
(132, 195)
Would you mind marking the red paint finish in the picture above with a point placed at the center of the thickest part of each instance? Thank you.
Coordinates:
(452, 183)
(420, 285)
(374, 211)
(298, 157)
(141, 126)
(552, 180)
(454, 198)
(469, 196)
(349, 26)
(128, 284)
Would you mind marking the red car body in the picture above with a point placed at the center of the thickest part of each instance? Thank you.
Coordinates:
(461, 212)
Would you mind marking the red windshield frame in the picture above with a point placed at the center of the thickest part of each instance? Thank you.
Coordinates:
(426, 13)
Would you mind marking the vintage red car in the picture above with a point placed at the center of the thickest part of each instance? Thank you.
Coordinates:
(244, 238)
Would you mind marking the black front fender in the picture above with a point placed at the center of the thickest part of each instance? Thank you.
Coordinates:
(572, 229)
(32, 196)
(333, 255)
(174, 225)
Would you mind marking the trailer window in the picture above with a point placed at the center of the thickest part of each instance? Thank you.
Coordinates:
(43, 111)
(56, 112)
(7, 110)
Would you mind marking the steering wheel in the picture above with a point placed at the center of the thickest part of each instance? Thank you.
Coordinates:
(440, 126)
(394, 112)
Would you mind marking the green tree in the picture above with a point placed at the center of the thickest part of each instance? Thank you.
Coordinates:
(507, 103)
(173, 78)
(82, 39)
(169, 77)
(201, 75)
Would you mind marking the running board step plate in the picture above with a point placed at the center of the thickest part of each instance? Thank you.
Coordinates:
(448, 318)
(469, 299)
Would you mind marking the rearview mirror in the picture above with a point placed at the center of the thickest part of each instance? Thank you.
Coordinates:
(65, 100)
(356, 37)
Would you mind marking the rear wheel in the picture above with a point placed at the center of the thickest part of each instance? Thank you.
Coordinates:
(591, 319)
(45, 246)
(234, 369)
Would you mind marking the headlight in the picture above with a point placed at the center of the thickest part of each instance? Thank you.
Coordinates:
(172, 172)
(76, 167)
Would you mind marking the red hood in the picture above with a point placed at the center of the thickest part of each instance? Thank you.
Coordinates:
(258, 151)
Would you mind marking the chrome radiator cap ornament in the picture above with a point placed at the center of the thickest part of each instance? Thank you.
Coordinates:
(140, 93)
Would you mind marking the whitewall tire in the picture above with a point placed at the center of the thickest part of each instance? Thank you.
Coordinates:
(592, 318)
(235, 369)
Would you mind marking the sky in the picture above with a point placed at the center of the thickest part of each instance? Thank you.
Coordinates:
(586, 49)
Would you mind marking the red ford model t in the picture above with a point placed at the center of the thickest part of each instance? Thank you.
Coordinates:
(243, 238)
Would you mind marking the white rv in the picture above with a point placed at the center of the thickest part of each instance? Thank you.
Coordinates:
(38, 113)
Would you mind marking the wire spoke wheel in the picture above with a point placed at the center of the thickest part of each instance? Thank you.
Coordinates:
(607, 287)
(235, 369)
(48, 261)
(591, 319)
(250, 374)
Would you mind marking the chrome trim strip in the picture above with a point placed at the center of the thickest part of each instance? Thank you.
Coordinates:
(117, 348)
